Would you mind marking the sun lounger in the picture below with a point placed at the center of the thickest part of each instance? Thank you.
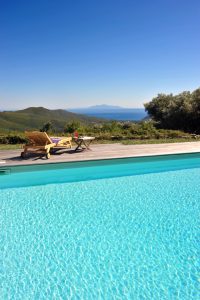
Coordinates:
(40, 142)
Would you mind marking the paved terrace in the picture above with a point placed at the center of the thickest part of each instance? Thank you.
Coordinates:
(99, 151)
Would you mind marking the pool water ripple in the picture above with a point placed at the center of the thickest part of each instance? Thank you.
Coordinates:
(133, 237)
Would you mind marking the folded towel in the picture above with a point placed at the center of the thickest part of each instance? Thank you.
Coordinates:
(55, 140)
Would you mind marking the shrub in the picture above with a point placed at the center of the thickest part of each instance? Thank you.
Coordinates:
(71, 127)
(12, 139)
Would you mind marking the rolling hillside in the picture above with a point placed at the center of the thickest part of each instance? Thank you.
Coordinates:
(35, 117)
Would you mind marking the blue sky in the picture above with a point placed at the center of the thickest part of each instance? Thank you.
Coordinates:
(61, 54)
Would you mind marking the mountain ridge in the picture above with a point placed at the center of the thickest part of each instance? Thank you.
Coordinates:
(104, 108)
(33, 118)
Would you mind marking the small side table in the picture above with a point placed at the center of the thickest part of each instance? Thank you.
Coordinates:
(83, 142)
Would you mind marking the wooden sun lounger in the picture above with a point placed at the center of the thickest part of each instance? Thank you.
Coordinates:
(40, 142)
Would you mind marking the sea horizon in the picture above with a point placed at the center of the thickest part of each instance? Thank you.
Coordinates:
(112, 112)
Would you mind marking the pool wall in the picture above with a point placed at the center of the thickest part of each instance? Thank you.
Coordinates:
(40, 174)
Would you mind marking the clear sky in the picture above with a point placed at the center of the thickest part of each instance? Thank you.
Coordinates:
(76, 53)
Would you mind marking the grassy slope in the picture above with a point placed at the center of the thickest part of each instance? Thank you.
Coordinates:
(35, 117)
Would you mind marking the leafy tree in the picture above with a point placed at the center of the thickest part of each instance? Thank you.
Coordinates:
(71, 127)
(180, 112)
(47, 127)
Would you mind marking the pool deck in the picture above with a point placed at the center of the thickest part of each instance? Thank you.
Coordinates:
(99, 151)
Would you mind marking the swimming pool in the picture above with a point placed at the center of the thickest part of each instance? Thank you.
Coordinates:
(116, 229)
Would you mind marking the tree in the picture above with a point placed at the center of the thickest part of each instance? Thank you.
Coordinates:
(71, 127)
(181, 111)
(47, 127)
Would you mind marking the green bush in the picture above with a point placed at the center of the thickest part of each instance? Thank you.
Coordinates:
(12, 139)
(71, 127)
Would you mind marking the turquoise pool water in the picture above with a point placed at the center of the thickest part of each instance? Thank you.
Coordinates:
(132, 235)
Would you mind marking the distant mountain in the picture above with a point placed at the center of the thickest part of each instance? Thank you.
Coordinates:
(112, 112)
(102, 108)
(99, 108)
(35, 117)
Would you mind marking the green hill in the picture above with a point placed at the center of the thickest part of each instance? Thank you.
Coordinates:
(34, 118)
